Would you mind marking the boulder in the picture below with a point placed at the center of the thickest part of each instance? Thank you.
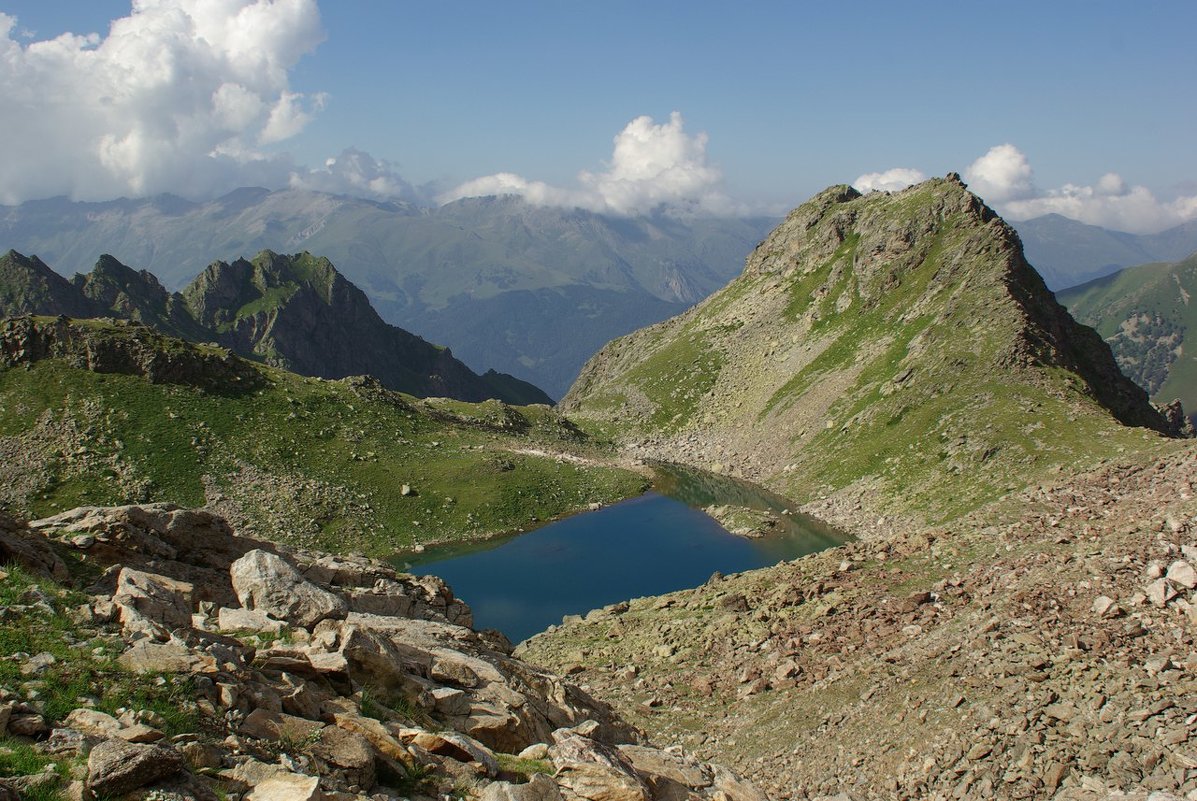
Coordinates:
(175, 656)
(115, 767)
(539, 788)
(240, 619)
(287, 787)
(346, 755)
(266, 725)
(378, 736)
(93, 723)
(594, 771)
(19, 545)
(669, 777)
(458, 747)
(266, 582)
(730, 787)
(149, 597)
(1183, 574)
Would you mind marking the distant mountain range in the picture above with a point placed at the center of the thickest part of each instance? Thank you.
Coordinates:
(1067, 252)
(295, 312)
(528, 290)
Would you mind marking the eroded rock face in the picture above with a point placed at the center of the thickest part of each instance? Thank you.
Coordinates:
(21, 546)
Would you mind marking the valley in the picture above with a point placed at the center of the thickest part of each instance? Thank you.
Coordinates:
(1011, 613)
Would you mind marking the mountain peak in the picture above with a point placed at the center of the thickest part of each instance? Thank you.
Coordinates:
(296, 312)
(895, 339)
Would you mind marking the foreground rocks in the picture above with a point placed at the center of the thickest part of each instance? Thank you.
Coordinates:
(315, 677)
(1043, 647)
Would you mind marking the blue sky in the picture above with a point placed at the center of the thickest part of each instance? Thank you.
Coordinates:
(791, 97)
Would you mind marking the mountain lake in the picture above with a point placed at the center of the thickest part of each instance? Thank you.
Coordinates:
(658, 542)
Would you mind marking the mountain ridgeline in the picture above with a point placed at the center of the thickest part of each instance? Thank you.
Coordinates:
(295, 312)
(529, 290)
(891, 353)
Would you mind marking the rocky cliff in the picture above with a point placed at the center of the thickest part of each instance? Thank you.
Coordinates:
(888, 355)
(295, 312)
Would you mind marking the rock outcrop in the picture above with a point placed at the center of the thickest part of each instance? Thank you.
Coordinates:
(316, 677)
(121, 347)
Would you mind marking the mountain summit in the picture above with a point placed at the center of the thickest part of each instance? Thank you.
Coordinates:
(296, 312)
(891, 353)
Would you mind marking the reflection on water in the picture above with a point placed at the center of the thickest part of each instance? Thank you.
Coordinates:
(656, 543)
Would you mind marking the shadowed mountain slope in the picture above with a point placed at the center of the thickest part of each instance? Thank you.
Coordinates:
(295, 312)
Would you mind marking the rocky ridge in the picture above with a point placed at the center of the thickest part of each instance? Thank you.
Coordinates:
(885, 356)
(295, 312)
(1041, 647)
(301, 676)
(119, 346)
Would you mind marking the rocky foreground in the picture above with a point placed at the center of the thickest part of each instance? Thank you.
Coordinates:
(1042, 647)
(181, 661)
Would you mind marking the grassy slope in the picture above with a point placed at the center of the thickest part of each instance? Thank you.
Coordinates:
(886, 380)
(316, 463)
(1157, 291)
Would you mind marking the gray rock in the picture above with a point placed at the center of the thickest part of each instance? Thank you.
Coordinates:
(590, 770)
(1160, 592)
(149, 597)
(115, 767)
(265, 582)
(346, 755)
(238, 619)
(1183, 574)
(539, 788)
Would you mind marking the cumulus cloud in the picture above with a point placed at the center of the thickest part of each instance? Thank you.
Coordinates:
(652, 166)
(180, 95)
(355, 172)
(1109, 203)
(1004, 178)
(1002, 174)
(893, 180)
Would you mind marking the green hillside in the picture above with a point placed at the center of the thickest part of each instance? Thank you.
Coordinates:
(302, 460)
(1145, 313)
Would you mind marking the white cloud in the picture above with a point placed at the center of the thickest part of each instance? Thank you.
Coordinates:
(651, 166)
(1001, 174)
(1110, 204)
(357, 173)
(893, 180)
(178, 96)
(1003, 177)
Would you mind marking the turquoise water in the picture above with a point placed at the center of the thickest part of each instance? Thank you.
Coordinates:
(649, 545)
